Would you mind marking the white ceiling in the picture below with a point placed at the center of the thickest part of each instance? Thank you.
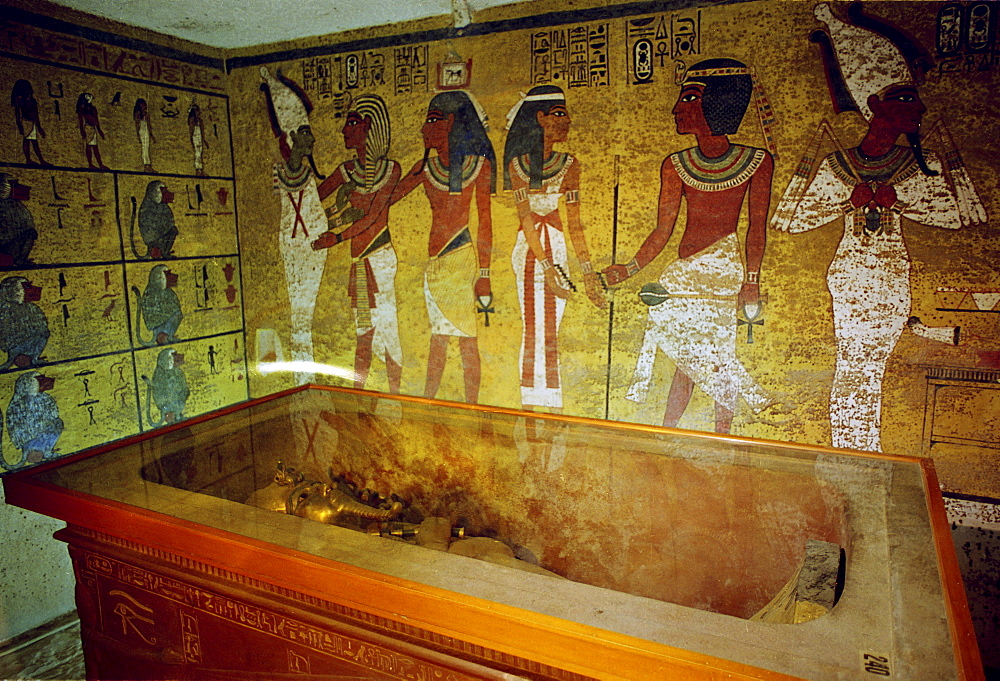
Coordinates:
(241, 23)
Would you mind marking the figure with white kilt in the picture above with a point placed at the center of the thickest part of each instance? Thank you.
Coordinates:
(695, 303)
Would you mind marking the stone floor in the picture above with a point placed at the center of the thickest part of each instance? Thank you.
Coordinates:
(50, 652)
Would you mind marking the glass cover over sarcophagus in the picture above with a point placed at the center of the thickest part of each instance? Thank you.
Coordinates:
(578, 546)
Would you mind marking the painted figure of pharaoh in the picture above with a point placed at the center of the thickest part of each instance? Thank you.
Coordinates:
(363, 187)
(462, 170)
(869, 188)
(539, 176)
(694, 319)
(302, 216)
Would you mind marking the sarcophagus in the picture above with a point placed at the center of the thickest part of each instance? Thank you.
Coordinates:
(498, 544)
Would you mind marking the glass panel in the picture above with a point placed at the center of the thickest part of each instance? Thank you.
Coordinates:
(720, 525)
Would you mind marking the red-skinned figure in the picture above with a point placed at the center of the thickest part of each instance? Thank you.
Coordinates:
(29, 123)
(541, 178)
(460, 176)
(695, 318)
(873, 69)
(90, 129)
(363, 187)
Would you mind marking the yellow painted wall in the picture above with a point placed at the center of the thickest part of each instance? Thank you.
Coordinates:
(793, 353)
(89, 257)
(587, 52)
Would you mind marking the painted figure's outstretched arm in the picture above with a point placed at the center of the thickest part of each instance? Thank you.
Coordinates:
(592, 285)
(376, 212)
(409, 182)
(671, 191)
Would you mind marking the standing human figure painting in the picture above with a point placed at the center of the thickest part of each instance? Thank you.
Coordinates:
(363, 186)
(29, 123)
(196, 130)
(539, 176)
(694, 317)
(89, 121)
(457, 275)
(144, 131)
(302, 216)
(870, 188)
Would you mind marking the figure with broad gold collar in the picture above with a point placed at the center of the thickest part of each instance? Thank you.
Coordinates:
(694, 304)
(362, 187)
(539, 177)
(460, 177)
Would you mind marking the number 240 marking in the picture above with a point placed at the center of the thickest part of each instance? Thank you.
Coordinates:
(877, 664)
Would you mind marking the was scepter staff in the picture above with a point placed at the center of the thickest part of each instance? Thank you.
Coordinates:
(611, 297)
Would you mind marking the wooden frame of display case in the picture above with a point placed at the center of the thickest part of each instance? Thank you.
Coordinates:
(411, 627)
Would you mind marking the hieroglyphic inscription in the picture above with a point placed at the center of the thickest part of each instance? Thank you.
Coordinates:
(190, 637)
(410, 68)
(576, 56)
(134, 616)
(60, 48)
(654, 43)
(966, 39)
(342, 647)
(317, 76)
(364, 70)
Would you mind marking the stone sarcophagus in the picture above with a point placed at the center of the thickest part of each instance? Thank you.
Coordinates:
(328, 533)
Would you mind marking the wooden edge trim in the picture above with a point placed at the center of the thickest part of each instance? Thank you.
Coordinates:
(963, 635)
(562, 644)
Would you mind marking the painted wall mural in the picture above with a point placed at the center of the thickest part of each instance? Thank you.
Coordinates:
(728, 218)
(120, 285)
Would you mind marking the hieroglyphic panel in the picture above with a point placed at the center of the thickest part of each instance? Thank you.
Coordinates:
(549, 56)
(317, 77)
(58, 409)
(73, 213)
(966, 39)
(139, 605)
(184, 299)
(108, 158)
(576, 56)
(655, 43)
(31, 41)
(200, 209)
(128, 125)
(410, 66)
(76, 312)
(189, 378)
